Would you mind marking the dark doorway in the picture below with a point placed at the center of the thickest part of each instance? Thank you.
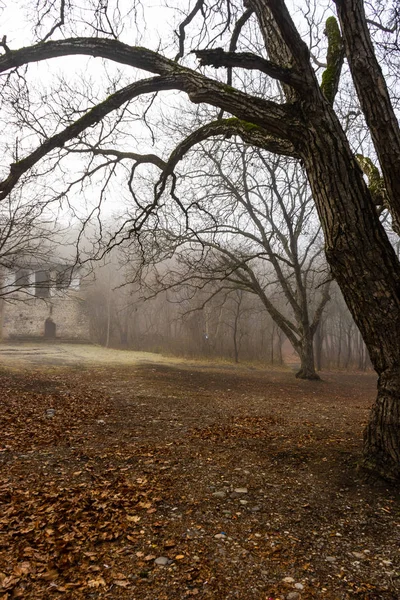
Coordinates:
(49, 328)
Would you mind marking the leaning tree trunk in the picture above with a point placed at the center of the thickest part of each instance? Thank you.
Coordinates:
(381, 437)
(358, 250)
(367, 270)
(306, 354)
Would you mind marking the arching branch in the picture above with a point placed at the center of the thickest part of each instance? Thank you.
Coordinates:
(279, 120)
(249, 133)
(139, 159)
(92, 117)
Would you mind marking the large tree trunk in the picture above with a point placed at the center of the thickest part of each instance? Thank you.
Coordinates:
(367, 270)
(381, 438)
(306, 354)
(358, 250)
(319, 340)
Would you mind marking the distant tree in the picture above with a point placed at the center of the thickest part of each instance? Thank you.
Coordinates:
(250, 225)
(29, 232)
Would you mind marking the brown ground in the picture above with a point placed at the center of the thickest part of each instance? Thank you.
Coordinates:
(126, 471)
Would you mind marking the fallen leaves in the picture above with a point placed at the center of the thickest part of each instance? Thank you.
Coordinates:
(133, 518)
(126, 510)
(56, 530)
(97, 582)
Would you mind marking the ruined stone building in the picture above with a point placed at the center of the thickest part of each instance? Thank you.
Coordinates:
(40, 300)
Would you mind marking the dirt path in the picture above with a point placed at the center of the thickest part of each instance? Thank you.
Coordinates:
(242, 482)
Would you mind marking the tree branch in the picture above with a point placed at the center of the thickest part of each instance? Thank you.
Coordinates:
(92, 117)
(320, 309)
(140, 159)
(241, 22)
(374, 96)
(287, 30)
(279, 120)
(181, 29)
(217, 57)
(251, 134)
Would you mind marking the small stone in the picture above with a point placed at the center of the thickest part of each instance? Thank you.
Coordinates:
(387, 563)
(358, 554)
(163, 561)
(50, 412)
(219, 494)
(299, 586)
(241, 490)
(101, 422)
(331, 559)
(288, 580)
(293, 596)
(243, 502)
(220, 536)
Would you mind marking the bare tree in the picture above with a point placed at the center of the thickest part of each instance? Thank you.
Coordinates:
(29, 232)
(305, 125)
(250, 224)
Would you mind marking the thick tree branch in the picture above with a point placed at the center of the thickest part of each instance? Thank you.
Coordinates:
(285, 46)
(140, 159)
(249, 133)
(246, 60)
(279, 120)
(92, 117)
(287, 30)
(241, 22)
(290, 34)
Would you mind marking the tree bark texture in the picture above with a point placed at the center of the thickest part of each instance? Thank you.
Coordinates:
(374, 98)
(381, 437)
(367, 270)
(306, 354)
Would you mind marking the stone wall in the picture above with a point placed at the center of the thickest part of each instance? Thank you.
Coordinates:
(27, 318)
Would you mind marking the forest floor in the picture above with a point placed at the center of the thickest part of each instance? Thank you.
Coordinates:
(171, 481)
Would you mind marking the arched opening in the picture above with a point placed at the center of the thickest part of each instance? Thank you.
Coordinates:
(49, 328)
